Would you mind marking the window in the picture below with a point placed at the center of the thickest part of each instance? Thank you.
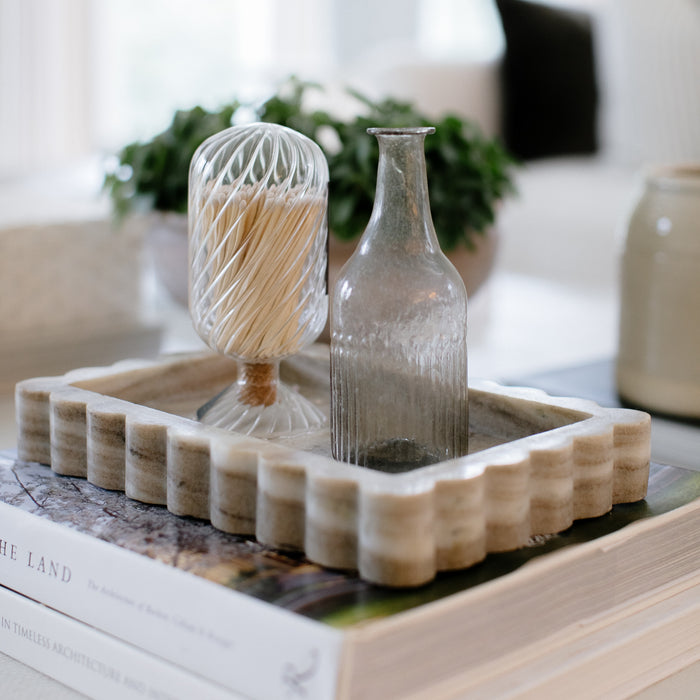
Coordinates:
(84, 76)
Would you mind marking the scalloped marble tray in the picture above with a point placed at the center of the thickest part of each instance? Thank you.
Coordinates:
(536, 463)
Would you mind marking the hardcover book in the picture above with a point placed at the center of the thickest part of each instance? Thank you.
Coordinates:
(269, 624)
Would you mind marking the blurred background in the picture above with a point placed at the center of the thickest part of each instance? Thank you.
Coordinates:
(84, 77)
(80, 78)
(583, 92)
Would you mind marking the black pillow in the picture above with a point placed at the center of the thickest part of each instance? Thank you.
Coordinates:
(548, 81)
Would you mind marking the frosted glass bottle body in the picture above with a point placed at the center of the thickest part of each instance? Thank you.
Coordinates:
(399, 328)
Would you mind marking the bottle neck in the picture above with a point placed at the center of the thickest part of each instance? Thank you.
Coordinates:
(401, 212)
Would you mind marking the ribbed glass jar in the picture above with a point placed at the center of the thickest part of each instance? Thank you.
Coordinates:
(257, 260)
(399, 328)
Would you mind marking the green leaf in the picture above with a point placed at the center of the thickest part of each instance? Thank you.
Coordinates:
(468, 173)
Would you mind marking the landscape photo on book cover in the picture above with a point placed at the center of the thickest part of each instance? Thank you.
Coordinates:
(287, 579)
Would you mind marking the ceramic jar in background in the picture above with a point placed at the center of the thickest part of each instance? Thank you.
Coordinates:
(658, 364)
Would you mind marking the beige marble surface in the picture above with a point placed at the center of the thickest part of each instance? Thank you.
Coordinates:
(537, 463)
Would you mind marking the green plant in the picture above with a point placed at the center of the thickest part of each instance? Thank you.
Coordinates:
(154, 173)
(468, 173)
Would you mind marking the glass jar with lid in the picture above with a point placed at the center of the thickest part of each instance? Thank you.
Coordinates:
(257, 266)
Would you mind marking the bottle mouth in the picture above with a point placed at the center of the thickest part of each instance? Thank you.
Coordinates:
(401, 131)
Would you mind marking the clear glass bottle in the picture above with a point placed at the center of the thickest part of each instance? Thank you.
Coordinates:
(258, 230)
(399, 328)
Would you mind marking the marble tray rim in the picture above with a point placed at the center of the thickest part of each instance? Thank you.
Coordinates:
(375, 501)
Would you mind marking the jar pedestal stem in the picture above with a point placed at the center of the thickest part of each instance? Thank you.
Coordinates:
(259, 404)
(257, 383)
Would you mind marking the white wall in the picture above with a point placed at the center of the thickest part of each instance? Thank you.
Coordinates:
(45, 102)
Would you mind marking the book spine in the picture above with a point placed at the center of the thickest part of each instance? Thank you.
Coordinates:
(89, 661)
(239, 642)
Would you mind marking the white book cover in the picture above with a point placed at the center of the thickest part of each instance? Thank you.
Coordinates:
(89, 661)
